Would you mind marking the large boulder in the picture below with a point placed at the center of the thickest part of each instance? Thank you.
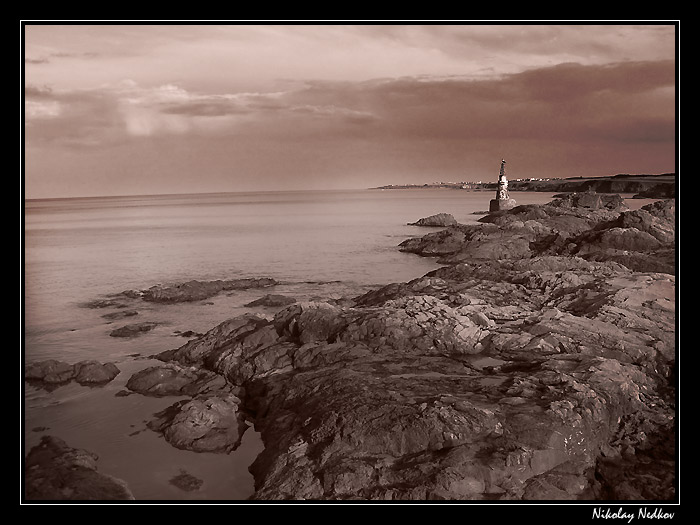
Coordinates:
(93, 372)
(207, 423)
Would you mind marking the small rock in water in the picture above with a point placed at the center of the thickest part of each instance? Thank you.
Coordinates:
(439, 219)
(120, 314)
(186, 481)
(133, 330)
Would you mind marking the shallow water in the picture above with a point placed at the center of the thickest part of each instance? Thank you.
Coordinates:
(317, 244)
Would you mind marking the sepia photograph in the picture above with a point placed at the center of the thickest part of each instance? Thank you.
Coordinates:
(351, 262)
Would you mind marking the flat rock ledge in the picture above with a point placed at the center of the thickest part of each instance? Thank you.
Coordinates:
(198, 290)
(55, 471)
(172, 293)
(541, 375)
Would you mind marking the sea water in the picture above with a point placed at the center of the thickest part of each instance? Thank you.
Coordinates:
(317, 244)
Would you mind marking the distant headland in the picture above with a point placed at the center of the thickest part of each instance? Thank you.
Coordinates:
(643, 185)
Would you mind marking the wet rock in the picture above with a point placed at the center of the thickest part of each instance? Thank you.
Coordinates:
(133, 330)
(186, 481)
(120, 314)
(107, 302)
(207, 423)
(94, 372)
(440, 219)
(50, 371)
(171, 379)
(88, 372)
(55, 471)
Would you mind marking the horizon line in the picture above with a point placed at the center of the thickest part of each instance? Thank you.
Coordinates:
(418, 185)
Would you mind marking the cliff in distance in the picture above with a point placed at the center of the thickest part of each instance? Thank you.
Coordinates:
(661, 186)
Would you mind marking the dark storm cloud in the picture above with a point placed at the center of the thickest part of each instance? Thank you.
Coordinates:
(626, 101)
(629, 101)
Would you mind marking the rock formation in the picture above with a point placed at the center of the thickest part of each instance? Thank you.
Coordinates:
(540, 363)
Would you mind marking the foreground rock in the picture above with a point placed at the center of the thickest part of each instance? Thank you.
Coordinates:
(529, 372)
(55, 372)
(55, 471)
(522, 381)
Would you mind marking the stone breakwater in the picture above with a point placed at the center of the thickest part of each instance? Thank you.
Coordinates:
(539, 363)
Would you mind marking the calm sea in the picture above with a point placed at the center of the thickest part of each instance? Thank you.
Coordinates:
(316, 243)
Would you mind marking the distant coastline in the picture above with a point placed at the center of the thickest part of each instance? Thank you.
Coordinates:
(644, 185)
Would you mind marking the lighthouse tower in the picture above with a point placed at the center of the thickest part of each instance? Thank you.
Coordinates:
(502, 200)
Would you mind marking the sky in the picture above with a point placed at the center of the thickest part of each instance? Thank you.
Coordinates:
(188, 108)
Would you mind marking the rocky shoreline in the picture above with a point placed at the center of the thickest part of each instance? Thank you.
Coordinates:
(538, 364)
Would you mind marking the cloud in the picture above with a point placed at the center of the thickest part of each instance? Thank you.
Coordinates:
(564, 108)
(49, 58)
(624, 101)
(32, 91)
